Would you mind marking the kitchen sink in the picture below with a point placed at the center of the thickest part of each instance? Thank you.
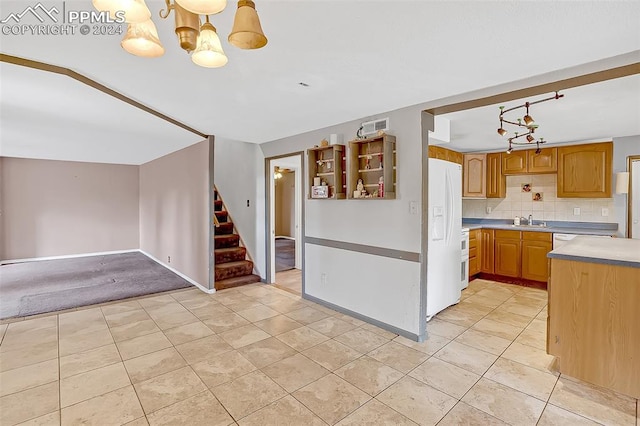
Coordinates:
(539, 225)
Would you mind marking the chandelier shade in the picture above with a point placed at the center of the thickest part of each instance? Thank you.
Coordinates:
(135, 11)
(247, 32)
(209, 51)
(203, 7)
(187, 28)
(142, 39)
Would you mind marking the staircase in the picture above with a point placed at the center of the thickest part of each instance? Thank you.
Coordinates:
(232, 269)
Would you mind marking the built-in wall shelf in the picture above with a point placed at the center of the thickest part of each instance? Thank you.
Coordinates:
(372, 160)
(328, 164)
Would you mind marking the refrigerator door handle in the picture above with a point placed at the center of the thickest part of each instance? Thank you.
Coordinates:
(449, 203)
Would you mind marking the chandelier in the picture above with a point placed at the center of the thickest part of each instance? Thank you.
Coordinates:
(527, 123)
(200, 39)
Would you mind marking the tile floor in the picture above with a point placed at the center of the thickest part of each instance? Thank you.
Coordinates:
(258, 355)
(290, 281)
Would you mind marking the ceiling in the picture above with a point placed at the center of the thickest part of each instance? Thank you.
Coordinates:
(358, 58)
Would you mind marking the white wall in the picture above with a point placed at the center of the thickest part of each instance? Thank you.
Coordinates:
(382, 288)
(622, 148)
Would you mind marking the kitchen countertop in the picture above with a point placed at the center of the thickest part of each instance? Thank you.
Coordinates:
(556, 227)
(608, 251)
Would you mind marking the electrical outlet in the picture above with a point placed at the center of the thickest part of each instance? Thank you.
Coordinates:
(247, 203)
(488, 210)
(576, 211)
(168, 259)
(323, 278)
(605, 211)
(413, 207)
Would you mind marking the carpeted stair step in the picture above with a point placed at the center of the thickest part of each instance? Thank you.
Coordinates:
(232, 254)
(217, 205)
(233, 269)
(224, 228)
(226, 241)
(222, 216)
(237, 281)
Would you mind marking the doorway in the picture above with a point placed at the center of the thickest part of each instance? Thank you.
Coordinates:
(284, 218)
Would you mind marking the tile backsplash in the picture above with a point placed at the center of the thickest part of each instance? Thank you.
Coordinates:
(518, 203)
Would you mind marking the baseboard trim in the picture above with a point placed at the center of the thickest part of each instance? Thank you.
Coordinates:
(67, 256)
(364, 318)
(178, 273)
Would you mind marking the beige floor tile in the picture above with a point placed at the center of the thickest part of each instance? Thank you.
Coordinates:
(231, 297)
(258, 313)
(223, 368)
(29, 404)
(530, 356)
(156, 301)
(459, 316)
(399, 357)
(266, 352)
(445, 377)
(51, 419)
(483, 341)
(244, 305)
(498, 329)
(3, 329)
(256, 292)
(500, 294)
(532, 300)
(203, 349)
(474, 308)
(127, 317)
(508, 318)
(331, 354)
(379, 331)
(225, 322)
(444, 329)
(307, 315)
(431, 345)
(172, 319)
(302, 338)
(81, 321)
(467, 357)
(243, 336)
(417, 401)
(523, 378)
(142, 345)
(25, 338)
(350, 319)
(87, 385)
(278, 325)
(188, 294)
(331, 398)
(82, 342)
(188, 333)
(369, 375)
(464, 414)
(595, 403)
(520, 309)
(534, 338)
(134, 329)
(505, 403)
(168, 388)
(201, 409)
(375, 413)
(118, 308)
(538, 325)
(211, 311)
(142, 421)
(294, 372)
(556, 416)
(362, 340)
(331, 326)
(114, 408)
(147, 366)
(198, 302)
(28, 356)
(284, 412)
(92, 359)
(248, 393)
(27, 377)
(483, 300)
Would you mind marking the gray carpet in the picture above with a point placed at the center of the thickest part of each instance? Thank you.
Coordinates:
(51, 285)
(285, 254)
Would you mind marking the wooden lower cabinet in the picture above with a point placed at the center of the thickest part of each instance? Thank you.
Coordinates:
(535, 246)
(507, 249)
(474, 251)
(486, 251)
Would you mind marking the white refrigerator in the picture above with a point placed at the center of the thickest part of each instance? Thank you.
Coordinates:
(444, 255)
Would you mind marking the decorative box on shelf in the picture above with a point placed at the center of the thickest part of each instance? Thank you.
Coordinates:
(372, 168)
(327, 168)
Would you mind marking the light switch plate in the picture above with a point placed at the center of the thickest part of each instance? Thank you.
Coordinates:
(605, 211)
(576, 211)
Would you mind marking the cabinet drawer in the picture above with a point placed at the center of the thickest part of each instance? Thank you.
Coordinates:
(473, 252)
(537, 236)
(509, 235)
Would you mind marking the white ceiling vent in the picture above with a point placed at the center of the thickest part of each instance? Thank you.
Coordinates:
(372, 127)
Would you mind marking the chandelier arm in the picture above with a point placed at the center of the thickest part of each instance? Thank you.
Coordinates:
(165, 14)
(514, 123)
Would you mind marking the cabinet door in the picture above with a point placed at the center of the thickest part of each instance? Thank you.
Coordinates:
(486, 251)
(514, 163)
(496, 181)
(584, 171)
(545, 162)
(474, 176)
(507, 260)
(534, 260)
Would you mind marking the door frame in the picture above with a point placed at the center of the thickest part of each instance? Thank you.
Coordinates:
(630, 160)
(269, 219)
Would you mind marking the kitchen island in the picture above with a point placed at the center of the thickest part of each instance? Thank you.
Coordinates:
(593, 323)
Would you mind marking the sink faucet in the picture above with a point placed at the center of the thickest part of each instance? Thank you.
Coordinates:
(530, 219)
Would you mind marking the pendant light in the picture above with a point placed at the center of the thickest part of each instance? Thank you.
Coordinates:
(135, 11)
(209, 51)
(203, 7)
(247, 32)
(142, 39)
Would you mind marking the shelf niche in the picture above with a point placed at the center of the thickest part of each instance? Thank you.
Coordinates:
(370, 159)
(329, 164)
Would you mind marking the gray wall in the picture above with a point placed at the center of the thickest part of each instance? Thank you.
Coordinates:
(55, 208)
(622, 148)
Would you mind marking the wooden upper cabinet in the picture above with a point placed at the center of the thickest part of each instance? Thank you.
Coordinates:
(441, 153)
(496, 181)
(474, 175)
(584, 171)
(545, 162)
(514, 163)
